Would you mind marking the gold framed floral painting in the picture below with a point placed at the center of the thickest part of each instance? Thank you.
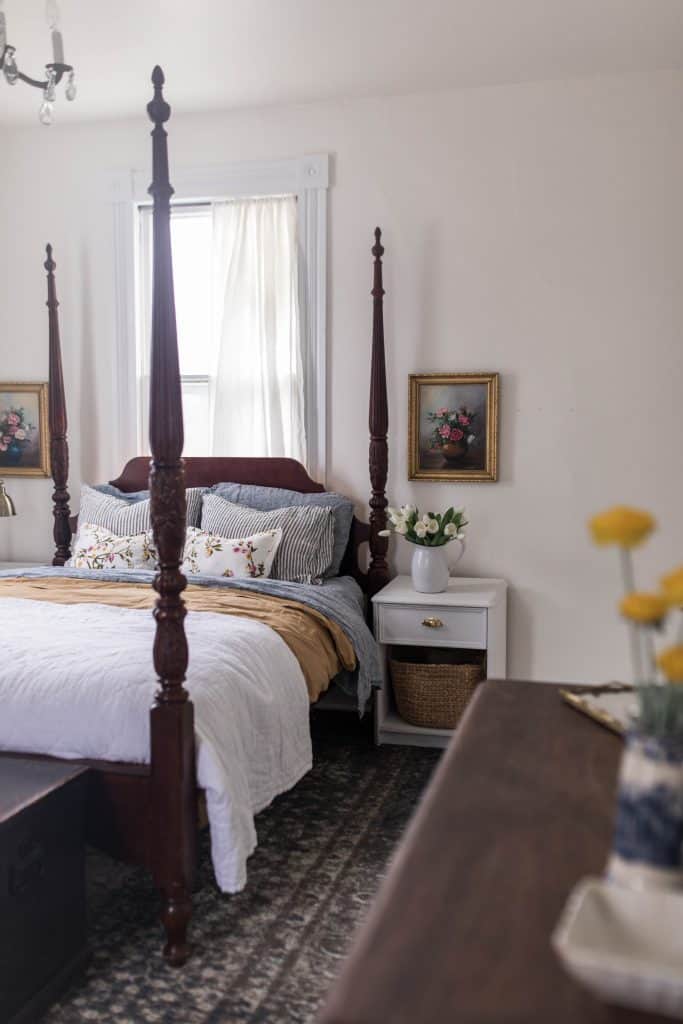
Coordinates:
(453, 426)
(24, 437)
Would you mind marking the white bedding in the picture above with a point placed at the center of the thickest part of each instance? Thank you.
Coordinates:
(78, 681)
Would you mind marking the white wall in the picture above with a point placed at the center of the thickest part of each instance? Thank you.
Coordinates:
(536, 230)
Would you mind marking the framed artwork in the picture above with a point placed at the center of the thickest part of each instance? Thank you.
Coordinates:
(453, 426)
(24, 439)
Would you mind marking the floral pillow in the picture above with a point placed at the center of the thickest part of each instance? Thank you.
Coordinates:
(97, 548)
(211, 555)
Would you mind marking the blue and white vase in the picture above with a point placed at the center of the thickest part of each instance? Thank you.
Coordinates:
(648, 836)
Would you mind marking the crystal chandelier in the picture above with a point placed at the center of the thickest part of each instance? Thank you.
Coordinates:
(54, 71)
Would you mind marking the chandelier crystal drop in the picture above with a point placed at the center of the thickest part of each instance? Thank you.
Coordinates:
(55, 71)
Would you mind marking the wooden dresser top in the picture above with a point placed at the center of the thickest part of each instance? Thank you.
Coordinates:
(520, 808)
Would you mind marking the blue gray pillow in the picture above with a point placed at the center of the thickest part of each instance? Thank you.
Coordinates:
(194, 505)
(266, 499)
(114, 492)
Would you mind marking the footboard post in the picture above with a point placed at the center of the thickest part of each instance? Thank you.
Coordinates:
(59, 448)
(173, 858)
(378, 571)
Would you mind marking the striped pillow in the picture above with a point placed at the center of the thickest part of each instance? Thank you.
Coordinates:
(129, 517)
(305, 552)
(265, 499)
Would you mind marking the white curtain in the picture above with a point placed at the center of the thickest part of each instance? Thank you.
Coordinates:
(257, 393)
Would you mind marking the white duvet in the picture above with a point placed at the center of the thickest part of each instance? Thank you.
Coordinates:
(78, 681)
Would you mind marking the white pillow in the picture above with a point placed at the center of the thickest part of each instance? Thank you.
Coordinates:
(97, 548)
(212, 555)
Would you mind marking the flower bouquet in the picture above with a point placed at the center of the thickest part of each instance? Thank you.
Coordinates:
(15, 431)
(452, 432)
(649, 828)
(428, 532)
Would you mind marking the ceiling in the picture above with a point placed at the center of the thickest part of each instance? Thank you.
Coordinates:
(239, 53)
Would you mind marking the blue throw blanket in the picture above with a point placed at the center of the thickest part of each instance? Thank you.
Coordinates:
(341, 599)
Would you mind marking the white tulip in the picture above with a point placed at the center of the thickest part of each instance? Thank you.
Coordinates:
(450, 529)
(432, 526)
(392, 512)
(460, 536)
(426, 518)
(408, 509)
(401, 528)
(420, 530)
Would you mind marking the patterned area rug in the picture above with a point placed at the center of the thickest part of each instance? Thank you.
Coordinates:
(269, 954)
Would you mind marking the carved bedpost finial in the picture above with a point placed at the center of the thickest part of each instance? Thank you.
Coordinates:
(59, 448)
(378, 572)
(378, 249)
(172, 717)
(158, 109)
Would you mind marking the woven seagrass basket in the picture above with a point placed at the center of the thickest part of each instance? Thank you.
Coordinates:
(433, 696)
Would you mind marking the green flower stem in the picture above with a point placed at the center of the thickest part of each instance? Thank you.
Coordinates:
(634, 636)
(661, 711)
(627, 570)
(651, 653)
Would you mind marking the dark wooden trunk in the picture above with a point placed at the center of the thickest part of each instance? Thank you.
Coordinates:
(42, 884)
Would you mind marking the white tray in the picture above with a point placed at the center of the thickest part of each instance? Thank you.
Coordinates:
(625, 945)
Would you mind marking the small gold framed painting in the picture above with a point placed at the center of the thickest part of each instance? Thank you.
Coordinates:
(24, 437)
(453, 426)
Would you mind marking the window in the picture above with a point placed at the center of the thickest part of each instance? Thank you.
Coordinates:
(235, 269)
(240, 396)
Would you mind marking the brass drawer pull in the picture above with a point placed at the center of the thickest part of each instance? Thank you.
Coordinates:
(432, 623)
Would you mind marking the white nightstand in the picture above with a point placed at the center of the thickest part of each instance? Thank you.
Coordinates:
(470, 615)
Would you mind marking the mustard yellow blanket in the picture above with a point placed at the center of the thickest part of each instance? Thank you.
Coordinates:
(320, 646)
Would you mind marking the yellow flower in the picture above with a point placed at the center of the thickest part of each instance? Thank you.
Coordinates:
(648, 609)
(622, 525)
(671, 663)
(672, 586)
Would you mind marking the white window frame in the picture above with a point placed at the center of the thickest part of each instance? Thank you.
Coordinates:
(308, 179)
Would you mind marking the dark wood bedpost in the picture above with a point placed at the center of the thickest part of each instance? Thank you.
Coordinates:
(378, 572)
(172, 717)
(59, 448)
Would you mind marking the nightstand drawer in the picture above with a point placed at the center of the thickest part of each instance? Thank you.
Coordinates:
(433, 626)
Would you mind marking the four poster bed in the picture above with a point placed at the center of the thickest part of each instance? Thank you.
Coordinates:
(149, 813)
